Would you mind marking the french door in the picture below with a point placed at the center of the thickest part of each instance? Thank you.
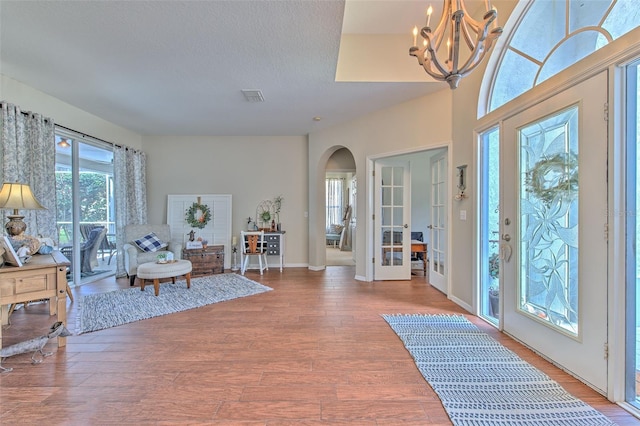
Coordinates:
(392, 206)
(438, 227)
(552, 229)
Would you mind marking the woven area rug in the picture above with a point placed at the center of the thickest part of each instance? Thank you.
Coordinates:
(105, 310)
(482, 383)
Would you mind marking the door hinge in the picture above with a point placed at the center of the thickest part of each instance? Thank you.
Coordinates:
(373, 216)
(373, 173)
(606, 232)
(606, 111)
(606, 351)
(373, 260)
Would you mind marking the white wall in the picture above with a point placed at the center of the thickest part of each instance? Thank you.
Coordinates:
(421, 123)
(420, 163)
(64, 114)
(252, 169)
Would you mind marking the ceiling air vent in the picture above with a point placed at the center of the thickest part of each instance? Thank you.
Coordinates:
(253, 95)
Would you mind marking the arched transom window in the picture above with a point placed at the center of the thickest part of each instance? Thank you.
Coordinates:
(551, 36)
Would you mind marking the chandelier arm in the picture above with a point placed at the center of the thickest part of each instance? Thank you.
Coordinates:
(436, 76)
(426, 63)
(479, 28)
(441, 29)
(487, 45)
(433, 59)
(478, 47)
(454, 54)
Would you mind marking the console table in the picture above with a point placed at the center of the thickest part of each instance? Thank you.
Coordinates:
(44, 277)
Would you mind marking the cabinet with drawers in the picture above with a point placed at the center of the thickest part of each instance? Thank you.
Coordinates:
(275, 246)
(205, 261)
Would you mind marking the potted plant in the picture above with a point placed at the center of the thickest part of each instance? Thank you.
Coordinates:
(494, 289)
(277, 206)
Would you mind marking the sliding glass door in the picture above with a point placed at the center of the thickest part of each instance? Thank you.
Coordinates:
(85, 210)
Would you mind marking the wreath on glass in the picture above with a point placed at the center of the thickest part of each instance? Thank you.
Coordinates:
(198, 215)
(555, 176)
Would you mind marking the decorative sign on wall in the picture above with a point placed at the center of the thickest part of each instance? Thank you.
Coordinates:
(206, 217)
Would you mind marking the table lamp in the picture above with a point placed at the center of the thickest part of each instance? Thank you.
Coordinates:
(17, 196)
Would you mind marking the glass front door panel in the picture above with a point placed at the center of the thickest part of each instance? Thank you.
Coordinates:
(490, 225)
(548, 150)
(392, 221)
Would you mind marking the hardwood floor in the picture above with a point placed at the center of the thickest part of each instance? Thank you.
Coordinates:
(315, 351)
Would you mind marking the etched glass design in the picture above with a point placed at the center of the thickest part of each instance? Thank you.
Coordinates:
(549, 220)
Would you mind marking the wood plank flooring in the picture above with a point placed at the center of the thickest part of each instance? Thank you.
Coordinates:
(315, 351)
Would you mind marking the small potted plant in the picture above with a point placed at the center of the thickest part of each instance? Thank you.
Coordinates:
(266, 217)
(494, 289)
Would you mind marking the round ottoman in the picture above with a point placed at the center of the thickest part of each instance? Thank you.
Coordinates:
(155, 271)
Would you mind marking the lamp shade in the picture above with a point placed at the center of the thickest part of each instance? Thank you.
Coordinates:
(18, 196)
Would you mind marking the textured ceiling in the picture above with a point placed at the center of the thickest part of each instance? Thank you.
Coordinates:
(178, 67)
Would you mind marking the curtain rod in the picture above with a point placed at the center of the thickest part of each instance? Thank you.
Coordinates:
(92, 137)
(46, 119)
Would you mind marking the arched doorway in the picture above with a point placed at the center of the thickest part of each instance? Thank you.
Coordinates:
(339, 208)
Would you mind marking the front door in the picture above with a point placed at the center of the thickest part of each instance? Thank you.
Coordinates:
(553, 229)
(392, 206)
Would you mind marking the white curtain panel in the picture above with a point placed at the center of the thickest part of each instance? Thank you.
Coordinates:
(130, 186)
(334, 201)
(28, 156)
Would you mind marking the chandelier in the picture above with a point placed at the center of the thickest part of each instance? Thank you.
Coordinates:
(455, 21)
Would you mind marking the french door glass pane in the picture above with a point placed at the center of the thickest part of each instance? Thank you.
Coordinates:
(392, 212)
(549, 218)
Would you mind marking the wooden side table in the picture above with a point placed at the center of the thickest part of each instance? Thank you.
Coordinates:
(44, 277)
(420, 247)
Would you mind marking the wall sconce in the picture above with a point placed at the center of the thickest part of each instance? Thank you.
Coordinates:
(462, 185)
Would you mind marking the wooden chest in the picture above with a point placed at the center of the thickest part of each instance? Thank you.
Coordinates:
(205, 261)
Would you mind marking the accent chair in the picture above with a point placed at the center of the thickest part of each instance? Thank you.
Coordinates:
(134, 256)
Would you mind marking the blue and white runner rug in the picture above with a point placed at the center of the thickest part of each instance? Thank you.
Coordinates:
(482, 383)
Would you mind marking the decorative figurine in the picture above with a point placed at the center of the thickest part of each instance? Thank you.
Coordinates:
(36, 345)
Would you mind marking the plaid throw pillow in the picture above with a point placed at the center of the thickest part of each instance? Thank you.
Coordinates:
(150, 243)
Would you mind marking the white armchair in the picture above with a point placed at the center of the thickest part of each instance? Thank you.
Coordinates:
(133, 256)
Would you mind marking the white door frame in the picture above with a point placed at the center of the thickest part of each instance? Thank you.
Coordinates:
(370, 208)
